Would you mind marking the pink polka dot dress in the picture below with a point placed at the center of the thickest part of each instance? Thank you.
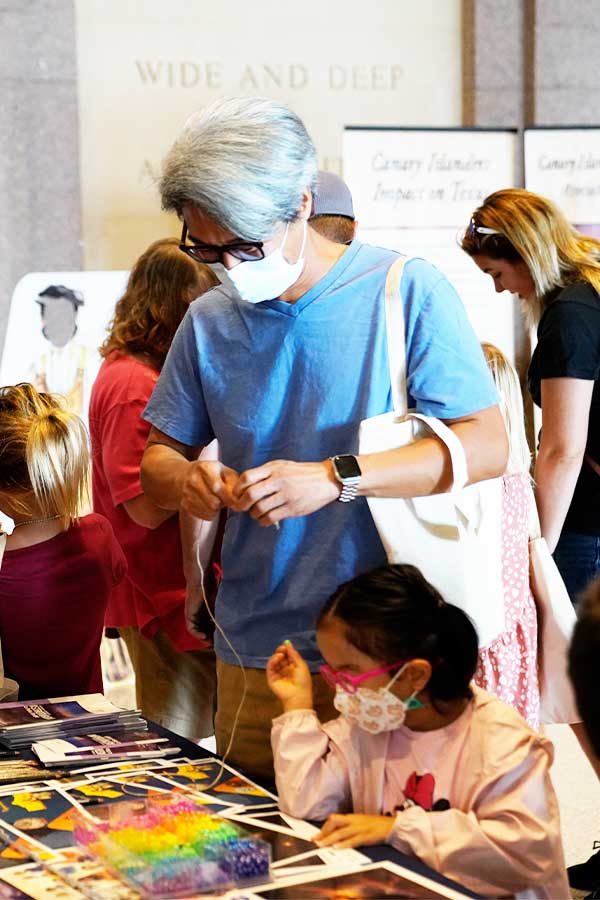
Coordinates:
(508, 666)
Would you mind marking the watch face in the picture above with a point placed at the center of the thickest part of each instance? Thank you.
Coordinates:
(347, 466)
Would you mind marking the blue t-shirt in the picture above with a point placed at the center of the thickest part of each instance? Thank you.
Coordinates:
(275, 380)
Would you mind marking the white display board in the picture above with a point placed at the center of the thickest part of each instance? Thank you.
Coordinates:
(425, 178)
(414, 191)
(30, 355)
(563, 164)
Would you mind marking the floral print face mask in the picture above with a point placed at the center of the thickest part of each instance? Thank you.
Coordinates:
(375, 710)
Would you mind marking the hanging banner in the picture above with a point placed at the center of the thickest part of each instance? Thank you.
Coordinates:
(423, 178)
(414, 191)
(563, 164)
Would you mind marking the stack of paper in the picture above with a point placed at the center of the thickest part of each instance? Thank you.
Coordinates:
(87, 749)
(35, 720)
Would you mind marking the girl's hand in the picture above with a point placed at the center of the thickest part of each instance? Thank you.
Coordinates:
(354, 831)
(289, 678)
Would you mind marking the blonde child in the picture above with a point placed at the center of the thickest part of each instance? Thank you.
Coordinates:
(58, 569)
(508, 667)
(418, 758)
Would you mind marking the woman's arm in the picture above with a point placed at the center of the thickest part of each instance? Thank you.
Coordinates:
(197, 542)
(121, 441)
(144, 512)
(565, 415)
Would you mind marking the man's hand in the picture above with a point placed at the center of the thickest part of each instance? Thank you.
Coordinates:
(282, 489)
(207, 488)
(354, 830)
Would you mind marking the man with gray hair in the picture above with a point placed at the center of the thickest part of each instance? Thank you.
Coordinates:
(280, 365)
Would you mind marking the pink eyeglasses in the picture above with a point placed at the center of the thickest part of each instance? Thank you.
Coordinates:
(350, 683)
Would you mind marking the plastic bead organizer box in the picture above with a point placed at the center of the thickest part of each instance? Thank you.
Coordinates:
(173, 847)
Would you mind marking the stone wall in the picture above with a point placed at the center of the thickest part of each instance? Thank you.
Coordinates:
(567, 74)
(493, 67)
(40, 220)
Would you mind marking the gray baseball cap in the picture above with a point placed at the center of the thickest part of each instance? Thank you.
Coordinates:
(332, 197)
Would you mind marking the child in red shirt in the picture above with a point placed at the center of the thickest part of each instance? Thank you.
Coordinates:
(58, 569)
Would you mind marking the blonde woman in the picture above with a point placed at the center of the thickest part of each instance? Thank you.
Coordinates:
(53, 560)
(527, 246)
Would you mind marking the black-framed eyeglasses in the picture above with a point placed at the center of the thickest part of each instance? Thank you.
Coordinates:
(215, 253)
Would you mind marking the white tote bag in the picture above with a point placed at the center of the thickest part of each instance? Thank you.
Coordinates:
(454, 538)
(556, 621)
(9, 689)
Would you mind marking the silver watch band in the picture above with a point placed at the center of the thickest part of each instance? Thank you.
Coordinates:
(349, 489)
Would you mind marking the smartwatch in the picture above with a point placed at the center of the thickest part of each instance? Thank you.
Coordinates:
(347, 471)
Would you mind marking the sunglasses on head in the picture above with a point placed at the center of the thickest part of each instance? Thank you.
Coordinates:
(479, 229)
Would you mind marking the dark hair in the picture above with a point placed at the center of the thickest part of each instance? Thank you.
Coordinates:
(584, 662)
(60, 290)
(393, 612)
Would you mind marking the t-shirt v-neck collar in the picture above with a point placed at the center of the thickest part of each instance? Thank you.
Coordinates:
(294, 309)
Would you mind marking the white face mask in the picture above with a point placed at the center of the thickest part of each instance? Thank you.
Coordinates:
(375, 711)
(266, 279)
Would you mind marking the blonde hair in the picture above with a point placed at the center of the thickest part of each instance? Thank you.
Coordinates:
(511, 405)
(44, 454)
(533, 230)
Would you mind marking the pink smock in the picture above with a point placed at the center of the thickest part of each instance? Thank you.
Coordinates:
(472, 800)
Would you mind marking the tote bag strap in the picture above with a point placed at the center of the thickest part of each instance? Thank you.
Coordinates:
(460, 473)
(396, 341)
(396, 346)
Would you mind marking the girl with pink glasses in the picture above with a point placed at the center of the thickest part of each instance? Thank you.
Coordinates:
(420, 757)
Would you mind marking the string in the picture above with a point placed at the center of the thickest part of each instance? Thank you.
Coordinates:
(241, 665)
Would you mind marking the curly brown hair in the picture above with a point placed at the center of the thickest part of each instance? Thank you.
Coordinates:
(161, 286)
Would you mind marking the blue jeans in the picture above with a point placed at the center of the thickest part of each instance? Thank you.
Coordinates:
(578, 559)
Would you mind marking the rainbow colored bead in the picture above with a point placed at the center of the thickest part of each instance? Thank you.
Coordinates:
(175, 847)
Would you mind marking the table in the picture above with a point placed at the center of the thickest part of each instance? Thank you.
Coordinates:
(379, 853)
(51, 807)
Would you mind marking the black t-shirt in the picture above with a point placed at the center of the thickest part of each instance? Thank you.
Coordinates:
(569, 347)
